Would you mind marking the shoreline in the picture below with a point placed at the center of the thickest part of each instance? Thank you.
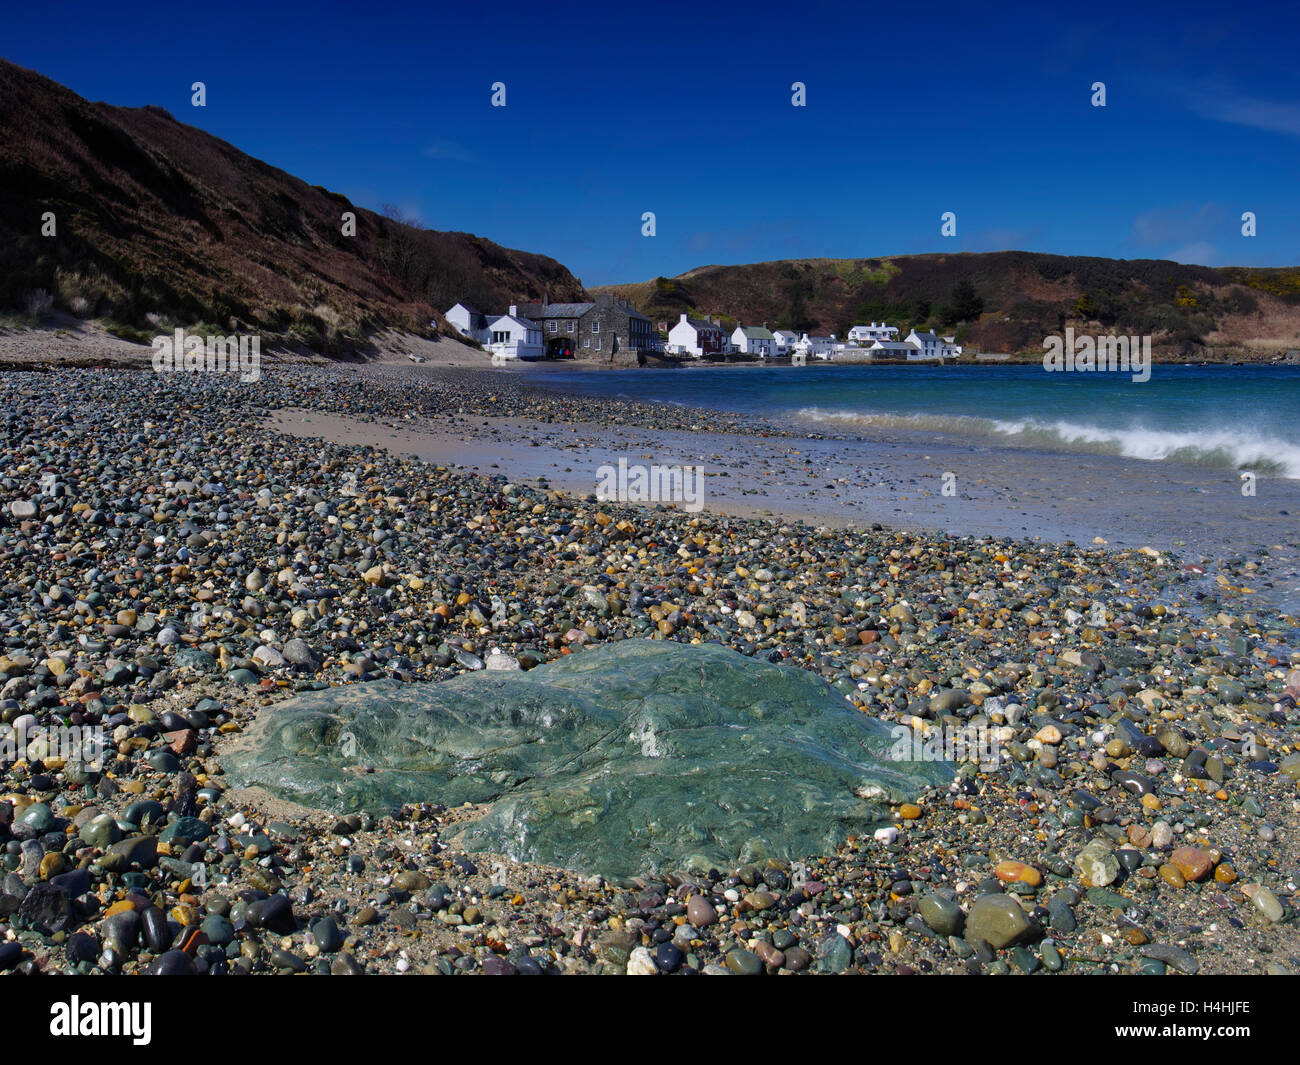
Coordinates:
(90, 344)
(854, 479)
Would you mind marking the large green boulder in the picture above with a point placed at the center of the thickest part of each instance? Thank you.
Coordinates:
(637, 756)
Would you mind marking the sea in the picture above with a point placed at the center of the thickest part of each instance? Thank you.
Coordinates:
(1245, 418)
(1200, 460)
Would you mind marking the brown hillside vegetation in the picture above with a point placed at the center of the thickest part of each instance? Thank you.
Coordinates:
(159, 222)
(999, 301)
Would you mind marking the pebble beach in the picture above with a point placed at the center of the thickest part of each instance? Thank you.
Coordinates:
(175, 558)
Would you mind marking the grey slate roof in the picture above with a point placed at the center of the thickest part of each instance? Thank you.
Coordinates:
(565, 310)
(697, 323)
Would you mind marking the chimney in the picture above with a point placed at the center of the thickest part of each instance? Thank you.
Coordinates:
(683, 316)
(514, 310)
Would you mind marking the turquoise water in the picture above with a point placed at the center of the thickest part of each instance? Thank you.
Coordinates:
(1243, 417)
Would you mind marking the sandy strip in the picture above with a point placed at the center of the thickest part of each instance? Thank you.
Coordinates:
(1197, 512)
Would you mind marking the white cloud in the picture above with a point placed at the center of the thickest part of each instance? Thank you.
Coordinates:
(1165, 225)
(449, 150)
(1242, 110)
(1197, 253)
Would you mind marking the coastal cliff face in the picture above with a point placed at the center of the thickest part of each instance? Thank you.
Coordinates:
(1003, 301)
(126, 213)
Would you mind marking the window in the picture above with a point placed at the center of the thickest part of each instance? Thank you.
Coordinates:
(595, 326)
(554, 325)
(570, 325)
(586, 342)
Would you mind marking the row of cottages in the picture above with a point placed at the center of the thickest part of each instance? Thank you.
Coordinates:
(602, 329)
(701, 337)
(915, 347)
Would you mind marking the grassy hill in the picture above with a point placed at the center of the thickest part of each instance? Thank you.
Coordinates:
(159, 223)
(999, 301)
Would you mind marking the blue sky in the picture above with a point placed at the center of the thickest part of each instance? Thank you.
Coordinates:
(685, 110)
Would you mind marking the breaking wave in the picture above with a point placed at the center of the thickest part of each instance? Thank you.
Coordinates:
(1224, 448)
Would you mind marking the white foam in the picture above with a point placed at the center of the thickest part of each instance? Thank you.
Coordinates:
(1222, 447)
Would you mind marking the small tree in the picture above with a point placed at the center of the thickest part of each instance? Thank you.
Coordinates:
(399, 243)
(966, 303)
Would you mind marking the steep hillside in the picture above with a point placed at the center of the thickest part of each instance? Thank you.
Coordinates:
(159, 222)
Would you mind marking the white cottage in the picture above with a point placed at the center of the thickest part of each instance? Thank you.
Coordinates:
(469, 321)
(817, 347)
(691, 336)
(927, 345)
(753, 340)
(785, 339)
(513, 337)
(865, 335)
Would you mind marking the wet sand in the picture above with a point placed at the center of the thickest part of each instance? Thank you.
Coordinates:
(1198, 513)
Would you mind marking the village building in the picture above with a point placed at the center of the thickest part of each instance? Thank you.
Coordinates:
(513, 337)
(865, 335)
(560, 326)
(927, 345)
(753, 340)
(613, 326)
(892, 349)
(785, 339)
(469, 321)
(819, 347)
(607, 328)
(692, 336)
